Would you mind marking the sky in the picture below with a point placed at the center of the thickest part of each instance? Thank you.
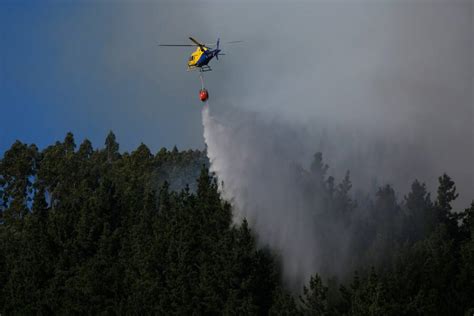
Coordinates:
(86, 67)
(384, 86)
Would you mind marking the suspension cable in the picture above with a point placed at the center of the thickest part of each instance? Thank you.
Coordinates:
(202, 81)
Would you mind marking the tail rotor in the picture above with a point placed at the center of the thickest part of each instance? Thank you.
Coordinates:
(217, 50)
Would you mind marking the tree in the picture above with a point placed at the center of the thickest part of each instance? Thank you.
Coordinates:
(343, 203)
(17, 169)
(69, 144)
(419, 219)
(446, 195)
(284, 304)
(314, 298)
(465, 278)
(111, 147)
(386, 219)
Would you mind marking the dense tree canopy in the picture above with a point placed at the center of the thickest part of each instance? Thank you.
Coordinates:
(91, 231)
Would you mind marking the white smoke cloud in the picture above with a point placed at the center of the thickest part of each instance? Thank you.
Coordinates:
(254, 164)
(262, 166)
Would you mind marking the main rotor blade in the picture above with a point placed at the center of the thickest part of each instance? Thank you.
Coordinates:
(231, 42)
(185, 45)
(196, 42)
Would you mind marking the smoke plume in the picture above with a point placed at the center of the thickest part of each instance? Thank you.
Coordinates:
(262, 167)
(269, 171)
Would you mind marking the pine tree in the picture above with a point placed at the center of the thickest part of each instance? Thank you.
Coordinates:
(18, 169)
(343, 203)
(284, 304)
(419, 220)
(446, 195)
(386, 218)
(314, 299)
(111, 147)
(465, 278)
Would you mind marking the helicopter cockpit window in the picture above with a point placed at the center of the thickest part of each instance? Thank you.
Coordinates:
(191, 58)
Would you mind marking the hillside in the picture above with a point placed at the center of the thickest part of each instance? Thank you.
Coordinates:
(86, 231)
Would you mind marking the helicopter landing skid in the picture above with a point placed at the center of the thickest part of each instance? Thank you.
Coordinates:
(205, 68)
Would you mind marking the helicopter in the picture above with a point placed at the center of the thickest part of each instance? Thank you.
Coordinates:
(203, 54)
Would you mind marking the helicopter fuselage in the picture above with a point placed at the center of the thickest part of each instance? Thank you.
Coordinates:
(201, 57)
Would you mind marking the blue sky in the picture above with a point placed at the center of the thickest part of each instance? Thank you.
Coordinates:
(55, 77)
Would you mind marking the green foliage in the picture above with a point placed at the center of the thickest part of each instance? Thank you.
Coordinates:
(85, 231)
(284, 304)
(419, 213)
(314, 299)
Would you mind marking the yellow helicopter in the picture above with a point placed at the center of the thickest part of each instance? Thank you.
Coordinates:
(203, 54)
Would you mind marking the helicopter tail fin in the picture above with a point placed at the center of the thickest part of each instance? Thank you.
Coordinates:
(217, 49)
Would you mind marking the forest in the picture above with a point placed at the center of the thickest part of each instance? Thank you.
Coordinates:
(100, 231)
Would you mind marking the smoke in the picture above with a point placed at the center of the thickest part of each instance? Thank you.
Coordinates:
(253, 160)
(383, 89)
(263, 166)
(265, 170)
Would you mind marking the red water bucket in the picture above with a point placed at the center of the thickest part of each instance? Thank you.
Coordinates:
(203, 95)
